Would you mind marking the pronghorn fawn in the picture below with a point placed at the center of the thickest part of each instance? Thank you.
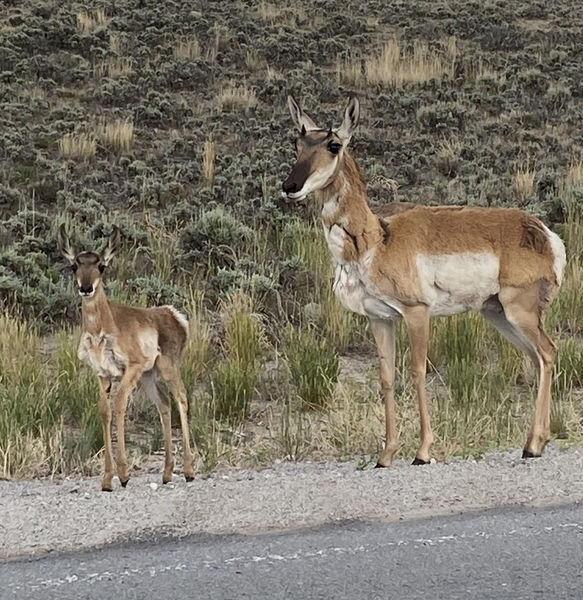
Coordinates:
(129, 346)
(416, 262)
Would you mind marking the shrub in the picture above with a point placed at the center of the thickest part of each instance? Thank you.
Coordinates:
(214, 239)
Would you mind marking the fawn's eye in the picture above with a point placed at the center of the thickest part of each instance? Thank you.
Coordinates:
(101, 268)
(74, 267)
(334, 147)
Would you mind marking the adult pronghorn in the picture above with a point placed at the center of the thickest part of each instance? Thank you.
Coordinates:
(416, 262)
(129, 345)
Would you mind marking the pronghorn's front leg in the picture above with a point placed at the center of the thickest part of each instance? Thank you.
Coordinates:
(105, 413)
(417, 322)
(384, 335)
(126, 387)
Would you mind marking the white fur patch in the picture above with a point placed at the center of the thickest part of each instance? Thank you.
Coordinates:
(336, 238)
(330, 209)
(100, 353)
(358, 295)
(455, 283)
(182, 320)
(149, 344)
(560, 257)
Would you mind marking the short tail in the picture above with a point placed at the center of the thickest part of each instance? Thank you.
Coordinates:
(181, 321)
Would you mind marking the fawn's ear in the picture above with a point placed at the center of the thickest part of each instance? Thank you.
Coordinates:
(65, 245)
(111, 247)
(302, 121)
(351, 117)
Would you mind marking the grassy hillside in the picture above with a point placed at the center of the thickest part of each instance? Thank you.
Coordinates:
(169, 119)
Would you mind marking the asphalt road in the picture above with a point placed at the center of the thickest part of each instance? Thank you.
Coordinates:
(515, 553)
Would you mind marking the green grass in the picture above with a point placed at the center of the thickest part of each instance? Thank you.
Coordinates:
(481, 389)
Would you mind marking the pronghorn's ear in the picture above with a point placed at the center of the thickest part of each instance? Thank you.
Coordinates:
(351, 116)
(65, 244)
(300, 118)
(111, 247)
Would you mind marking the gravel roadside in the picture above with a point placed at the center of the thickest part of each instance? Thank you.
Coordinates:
(37, 517)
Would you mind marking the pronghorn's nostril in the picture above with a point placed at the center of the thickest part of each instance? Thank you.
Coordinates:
(289, 187)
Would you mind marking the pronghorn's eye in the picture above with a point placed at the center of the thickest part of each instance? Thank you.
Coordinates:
(101, 268)
(74, 267)
(334, 147)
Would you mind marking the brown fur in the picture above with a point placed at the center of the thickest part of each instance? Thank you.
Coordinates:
(132, 345)
(383, 247)
(516, 238)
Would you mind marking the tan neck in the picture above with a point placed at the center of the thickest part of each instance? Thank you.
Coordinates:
(344, 203)
(96, 313)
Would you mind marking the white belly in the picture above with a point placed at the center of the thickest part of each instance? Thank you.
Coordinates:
(455, 283)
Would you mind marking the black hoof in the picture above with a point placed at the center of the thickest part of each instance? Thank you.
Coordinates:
(528, 454)
(419, 461)
(379, 466)
(189, 478)
(124, 483)
(105, 489)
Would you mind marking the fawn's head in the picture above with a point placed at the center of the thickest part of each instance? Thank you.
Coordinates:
(319, 151)
(88, 266)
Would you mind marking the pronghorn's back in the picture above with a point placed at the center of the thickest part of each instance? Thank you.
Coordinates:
(169, 324)
(455, 258)
(526, 249)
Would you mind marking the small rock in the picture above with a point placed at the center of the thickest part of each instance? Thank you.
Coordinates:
(153, 486)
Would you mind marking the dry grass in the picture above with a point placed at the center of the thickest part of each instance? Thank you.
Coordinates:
(208, 160)
(574, 177)
(395, 66)
(88, 22)
(79, 146)
(117, 136)
(253, 61)
(33, 93)
(115, 43)
(237, 97)
(523, 181)
(482, 73)
(187, 49)
(115, 66)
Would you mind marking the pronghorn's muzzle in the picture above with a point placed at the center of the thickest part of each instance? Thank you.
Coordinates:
(86, 290)
(296, 180)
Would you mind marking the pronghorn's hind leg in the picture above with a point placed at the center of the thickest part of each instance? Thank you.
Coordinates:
(105, 414)
(170, 372)
(154, 391)
(517, 313)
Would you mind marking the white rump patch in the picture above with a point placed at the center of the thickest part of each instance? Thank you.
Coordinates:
(455, 283)
(182, 320)
(560, 257)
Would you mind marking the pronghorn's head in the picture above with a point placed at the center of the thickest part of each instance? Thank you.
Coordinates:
(88, 266)
(319, 151)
